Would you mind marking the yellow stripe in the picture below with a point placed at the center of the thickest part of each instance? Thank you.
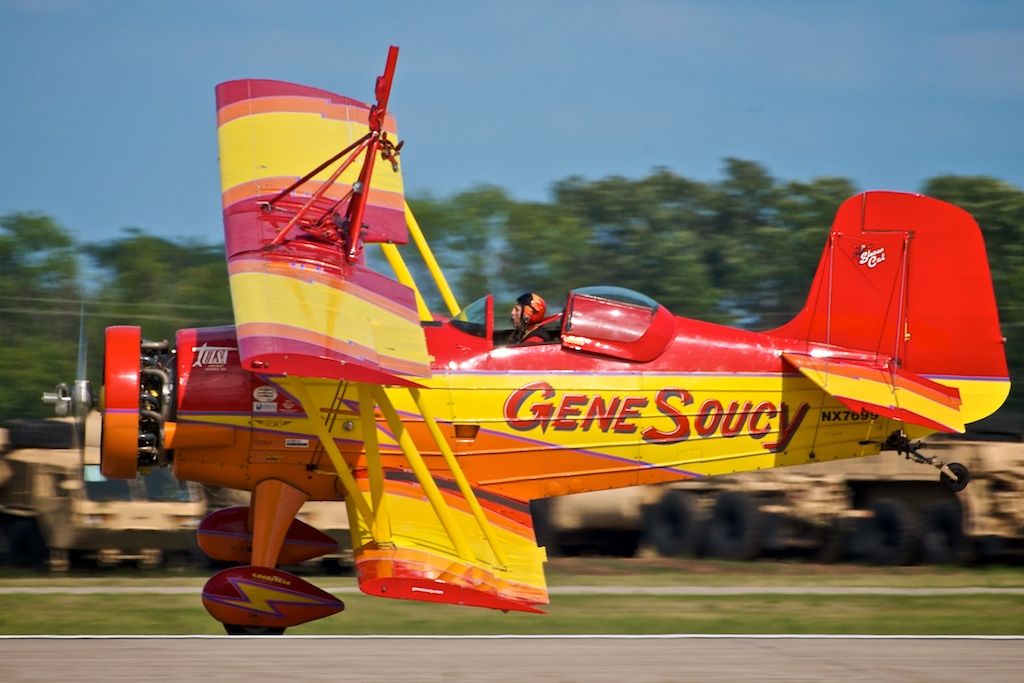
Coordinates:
(883, 394)
(291, 144)
(414, 525)
(262, 297)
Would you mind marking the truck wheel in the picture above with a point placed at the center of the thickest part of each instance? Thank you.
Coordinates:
(40, 434)
(891, 536)
(834, 542)
(26, 545)
(734, 530)
(544, 530)
(671, 525)
(944, 540)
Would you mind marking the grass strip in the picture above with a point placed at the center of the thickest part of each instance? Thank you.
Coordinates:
(571, 614)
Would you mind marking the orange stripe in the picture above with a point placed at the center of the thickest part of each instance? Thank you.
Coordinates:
(458, 573)
(296, 104)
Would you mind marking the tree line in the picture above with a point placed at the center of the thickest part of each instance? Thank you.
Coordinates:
(740, 250)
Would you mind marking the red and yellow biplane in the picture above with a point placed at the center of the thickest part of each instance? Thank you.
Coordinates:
(336, 383)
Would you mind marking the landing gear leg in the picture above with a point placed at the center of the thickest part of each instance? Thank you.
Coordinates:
(258, 599)
(953, 476)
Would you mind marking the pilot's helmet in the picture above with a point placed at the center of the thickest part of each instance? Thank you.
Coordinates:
(533, 308)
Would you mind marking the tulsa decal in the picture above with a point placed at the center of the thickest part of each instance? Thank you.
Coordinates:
(535, 406)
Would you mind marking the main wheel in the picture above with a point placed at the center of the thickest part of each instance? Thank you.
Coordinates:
(240, 630)
(672, 524)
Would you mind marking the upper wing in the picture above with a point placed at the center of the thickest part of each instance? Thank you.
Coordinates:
(891, 392)
(300, 306)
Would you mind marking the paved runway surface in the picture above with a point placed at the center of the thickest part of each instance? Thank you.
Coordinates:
(537, 658)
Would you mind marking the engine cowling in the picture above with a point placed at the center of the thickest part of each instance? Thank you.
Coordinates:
(138, 399)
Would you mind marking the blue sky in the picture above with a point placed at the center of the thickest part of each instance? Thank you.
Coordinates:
(108, 111)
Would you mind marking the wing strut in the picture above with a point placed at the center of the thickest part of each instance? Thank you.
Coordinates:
(422, 472)
(375, 511)
(298, 387)
(460, 478)
(402, 273)
(432, 265)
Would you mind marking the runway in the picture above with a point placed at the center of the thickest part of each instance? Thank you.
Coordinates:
(992, 659)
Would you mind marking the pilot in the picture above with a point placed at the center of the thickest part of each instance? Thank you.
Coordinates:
(527, 317)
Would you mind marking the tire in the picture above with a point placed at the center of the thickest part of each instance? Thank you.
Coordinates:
(963, 477)
(240, 630)
(944, 539)
(40, 434)
(734, 530)
(26, 546)
(892, 535)
(544, 530)
(672, 525)
(835, 541)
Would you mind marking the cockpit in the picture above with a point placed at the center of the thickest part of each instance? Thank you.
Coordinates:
(604, 320)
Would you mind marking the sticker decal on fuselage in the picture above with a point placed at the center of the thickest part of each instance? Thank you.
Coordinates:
(537, 406)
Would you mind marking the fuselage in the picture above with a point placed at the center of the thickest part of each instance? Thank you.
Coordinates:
(532, 421)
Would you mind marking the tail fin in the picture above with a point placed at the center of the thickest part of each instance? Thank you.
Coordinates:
(905, 279)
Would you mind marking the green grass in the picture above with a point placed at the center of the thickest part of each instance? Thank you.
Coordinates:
(600, 571)
(671, 572)
(182, 614)
(750, 613)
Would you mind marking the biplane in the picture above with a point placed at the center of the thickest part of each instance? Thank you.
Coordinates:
(337, 383)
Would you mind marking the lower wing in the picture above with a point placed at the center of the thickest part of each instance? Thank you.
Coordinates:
(408, 552)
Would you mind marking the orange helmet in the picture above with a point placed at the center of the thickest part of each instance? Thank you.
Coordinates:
(532, 308)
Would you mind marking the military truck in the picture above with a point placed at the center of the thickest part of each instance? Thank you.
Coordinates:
(56, 507)
(883, 509)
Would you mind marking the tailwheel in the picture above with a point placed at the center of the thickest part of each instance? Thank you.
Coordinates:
(960, 478)
(953, 476)
(243, 630)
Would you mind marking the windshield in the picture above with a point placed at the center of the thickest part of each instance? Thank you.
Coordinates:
(473, 318)
(626, 296)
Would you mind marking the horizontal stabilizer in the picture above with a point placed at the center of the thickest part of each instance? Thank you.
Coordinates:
(891, 392)
(418, 560)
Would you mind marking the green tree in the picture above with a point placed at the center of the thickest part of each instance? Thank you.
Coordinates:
(644, 235)
(465, 231)
(787, 251)
(160, 285)
(39, 311)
